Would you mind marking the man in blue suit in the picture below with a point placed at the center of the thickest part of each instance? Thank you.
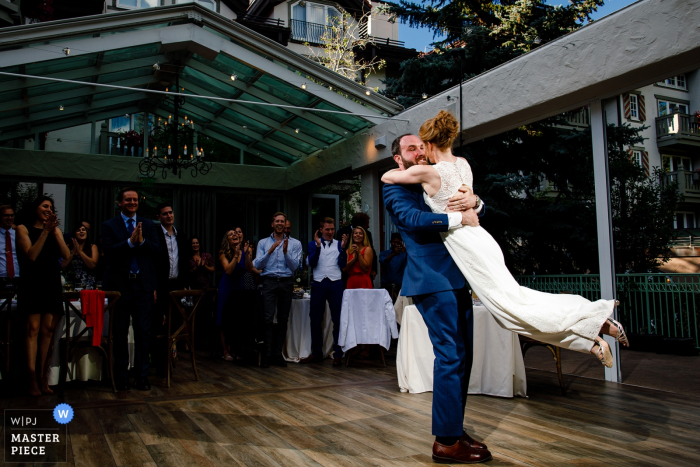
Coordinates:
(438, 289)
(130, 244)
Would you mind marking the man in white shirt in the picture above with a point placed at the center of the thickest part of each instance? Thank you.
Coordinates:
(171, 270)
(9, 266)
(326, 258)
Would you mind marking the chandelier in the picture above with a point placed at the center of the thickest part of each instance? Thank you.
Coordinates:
(173, 154)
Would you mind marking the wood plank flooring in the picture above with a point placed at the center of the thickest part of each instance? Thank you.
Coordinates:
(317, 415)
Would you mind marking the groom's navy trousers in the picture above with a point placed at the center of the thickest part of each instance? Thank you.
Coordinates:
(438, 289)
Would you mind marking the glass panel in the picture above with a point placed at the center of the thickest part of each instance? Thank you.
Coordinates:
(322, 134)
(279, 154)
(204, 104)
(349, 122)
(130, 53)
(215, 86)
(679, 221)
(127, 3)
(241, 120)
(120, 124)
(50, 90)
(690, 220)
(241, 138)
(682, 108)
(61, 64)
(108, 95)
(54, 106)
(126, 74)
(290, 94)
(315, 14)
(276, 113)
(211, 4)
(9, 69)
(663, 108)
(292, 142)
(228, 66)
(252, 159)
(299, 12)
(10, 96)
(681, 81)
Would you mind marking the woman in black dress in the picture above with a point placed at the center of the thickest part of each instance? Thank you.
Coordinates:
(41, 245)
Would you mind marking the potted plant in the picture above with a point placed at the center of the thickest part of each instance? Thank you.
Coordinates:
(696, 114)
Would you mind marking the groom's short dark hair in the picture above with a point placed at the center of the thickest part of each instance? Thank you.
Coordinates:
(396, 145)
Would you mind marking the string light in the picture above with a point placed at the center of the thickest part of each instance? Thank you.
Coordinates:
(367, 92)
(296, 130)
(303, 86)
(233, 77)
(424, 96)
(66, 51)
(60, 107)
(156, 66)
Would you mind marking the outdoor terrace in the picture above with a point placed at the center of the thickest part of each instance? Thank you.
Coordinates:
(677, 131)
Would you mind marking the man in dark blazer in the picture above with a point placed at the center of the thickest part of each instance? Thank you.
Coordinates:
(438, 289)
(172, 270)
(130, 243)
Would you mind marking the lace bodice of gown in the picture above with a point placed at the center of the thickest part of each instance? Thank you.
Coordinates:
(452, 176)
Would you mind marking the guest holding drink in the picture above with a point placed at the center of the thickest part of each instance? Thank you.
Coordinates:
(360, 256)
(41, 245)
(201, 266)
(80, 266)
(235, 261)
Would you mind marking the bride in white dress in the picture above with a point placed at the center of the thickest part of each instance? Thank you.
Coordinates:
(568, 321)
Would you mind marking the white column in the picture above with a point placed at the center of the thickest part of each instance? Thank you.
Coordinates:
(58, 193)
(606, 255)
(371, 199)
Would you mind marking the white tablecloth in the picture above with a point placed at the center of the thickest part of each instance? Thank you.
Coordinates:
(298, 342)
(87, 364)
(497, 369)
(367, 317)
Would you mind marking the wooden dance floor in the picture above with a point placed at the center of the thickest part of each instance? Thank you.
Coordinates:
(319, 415)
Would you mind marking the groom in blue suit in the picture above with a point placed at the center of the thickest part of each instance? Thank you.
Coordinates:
(438, 289)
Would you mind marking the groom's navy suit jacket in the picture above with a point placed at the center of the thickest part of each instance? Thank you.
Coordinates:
(429, 268)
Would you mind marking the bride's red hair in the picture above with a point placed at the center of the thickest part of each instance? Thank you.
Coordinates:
(440, 130)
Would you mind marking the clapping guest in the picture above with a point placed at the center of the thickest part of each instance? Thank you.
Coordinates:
(235, 261)
(80, 266)
(359, 264)
(201, 266)
(41, 243)
(9, 264)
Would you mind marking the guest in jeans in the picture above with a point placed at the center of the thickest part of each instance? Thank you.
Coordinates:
(326, 258)
(39, 298)
(393, 262)
(9, 264)
(80, 266)
(278, 256)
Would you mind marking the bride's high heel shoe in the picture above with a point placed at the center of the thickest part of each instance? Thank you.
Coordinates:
(603, 353)
(621, 334)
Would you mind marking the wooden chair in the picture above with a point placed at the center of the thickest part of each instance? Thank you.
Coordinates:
(186, 330)
(5, 336)
(80, 340)
(527, 342)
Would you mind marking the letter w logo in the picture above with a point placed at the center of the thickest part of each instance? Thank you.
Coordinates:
(63, 413)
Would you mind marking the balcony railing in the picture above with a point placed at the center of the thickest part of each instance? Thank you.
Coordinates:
(661, 304)
(313, 33)
(261, 20)
(578, 117)
(677, 125)
(386, 41)
(688, 182)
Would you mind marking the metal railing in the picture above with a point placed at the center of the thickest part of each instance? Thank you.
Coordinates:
(313, 33)
(661, 304)
(677, 124)
(578, 117)
(261, 20)
(688, 182)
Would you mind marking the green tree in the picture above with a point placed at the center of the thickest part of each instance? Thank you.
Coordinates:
(552, 229)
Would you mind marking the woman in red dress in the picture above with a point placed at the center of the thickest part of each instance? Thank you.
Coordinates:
(359, 261)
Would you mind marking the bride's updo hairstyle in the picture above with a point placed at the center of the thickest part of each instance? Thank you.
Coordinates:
(440, 130)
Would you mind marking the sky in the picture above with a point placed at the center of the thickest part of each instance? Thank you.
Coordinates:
(420, 39)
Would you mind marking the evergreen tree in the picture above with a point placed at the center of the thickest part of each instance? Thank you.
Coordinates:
(548, 230)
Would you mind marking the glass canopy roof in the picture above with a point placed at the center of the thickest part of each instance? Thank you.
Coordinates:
(268, 75)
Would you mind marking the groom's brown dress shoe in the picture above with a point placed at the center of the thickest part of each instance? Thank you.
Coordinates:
(459, 453)
(472, 442)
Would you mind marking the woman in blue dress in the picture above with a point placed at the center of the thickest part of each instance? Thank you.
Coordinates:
(235, 262)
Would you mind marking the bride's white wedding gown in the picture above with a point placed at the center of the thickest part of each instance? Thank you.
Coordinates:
(568, 321)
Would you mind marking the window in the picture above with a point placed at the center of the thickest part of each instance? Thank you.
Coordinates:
(684, 220)
(676, 163)
(634, 107)
(210, 4)
(138, 3)
(309, 20)
(677, 82)
(670, 107)
(636, 157)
